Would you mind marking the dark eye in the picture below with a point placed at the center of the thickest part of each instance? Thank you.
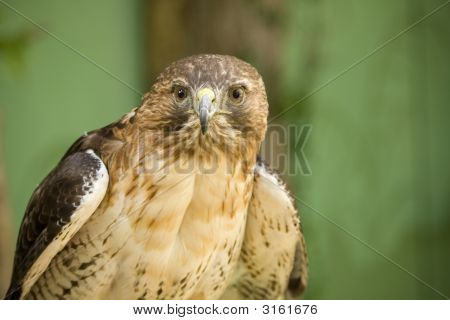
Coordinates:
(236, 94)
(180, 93)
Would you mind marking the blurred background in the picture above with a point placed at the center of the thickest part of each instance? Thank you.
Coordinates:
(378, 149)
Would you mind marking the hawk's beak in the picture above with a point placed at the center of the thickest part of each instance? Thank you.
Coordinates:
(205, 107)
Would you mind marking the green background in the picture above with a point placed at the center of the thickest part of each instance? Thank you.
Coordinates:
(378, 150)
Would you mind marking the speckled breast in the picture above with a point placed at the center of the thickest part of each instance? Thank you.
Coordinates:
(176, 235)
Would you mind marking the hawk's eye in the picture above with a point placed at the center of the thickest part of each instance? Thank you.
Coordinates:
(180, 93)
(236, 94)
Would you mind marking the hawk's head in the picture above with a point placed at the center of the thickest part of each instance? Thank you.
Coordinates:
(209, 101)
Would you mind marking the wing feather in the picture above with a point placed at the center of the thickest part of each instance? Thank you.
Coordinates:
(273, 262)
(58, 208)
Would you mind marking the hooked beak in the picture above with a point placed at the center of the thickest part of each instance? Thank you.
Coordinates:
(205, 107)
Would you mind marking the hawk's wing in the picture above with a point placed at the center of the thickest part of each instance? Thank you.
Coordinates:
(273, 262)
(58, 208)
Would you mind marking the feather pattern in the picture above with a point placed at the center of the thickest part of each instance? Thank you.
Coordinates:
(58, 208)
(273, 262)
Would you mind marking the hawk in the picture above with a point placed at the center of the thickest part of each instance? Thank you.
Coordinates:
(169, 202)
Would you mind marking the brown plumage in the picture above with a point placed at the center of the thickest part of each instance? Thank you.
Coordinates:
(169, 202)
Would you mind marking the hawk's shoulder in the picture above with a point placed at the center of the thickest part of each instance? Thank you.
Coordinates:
(273, 192)
(273, 263)
(58, 207)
